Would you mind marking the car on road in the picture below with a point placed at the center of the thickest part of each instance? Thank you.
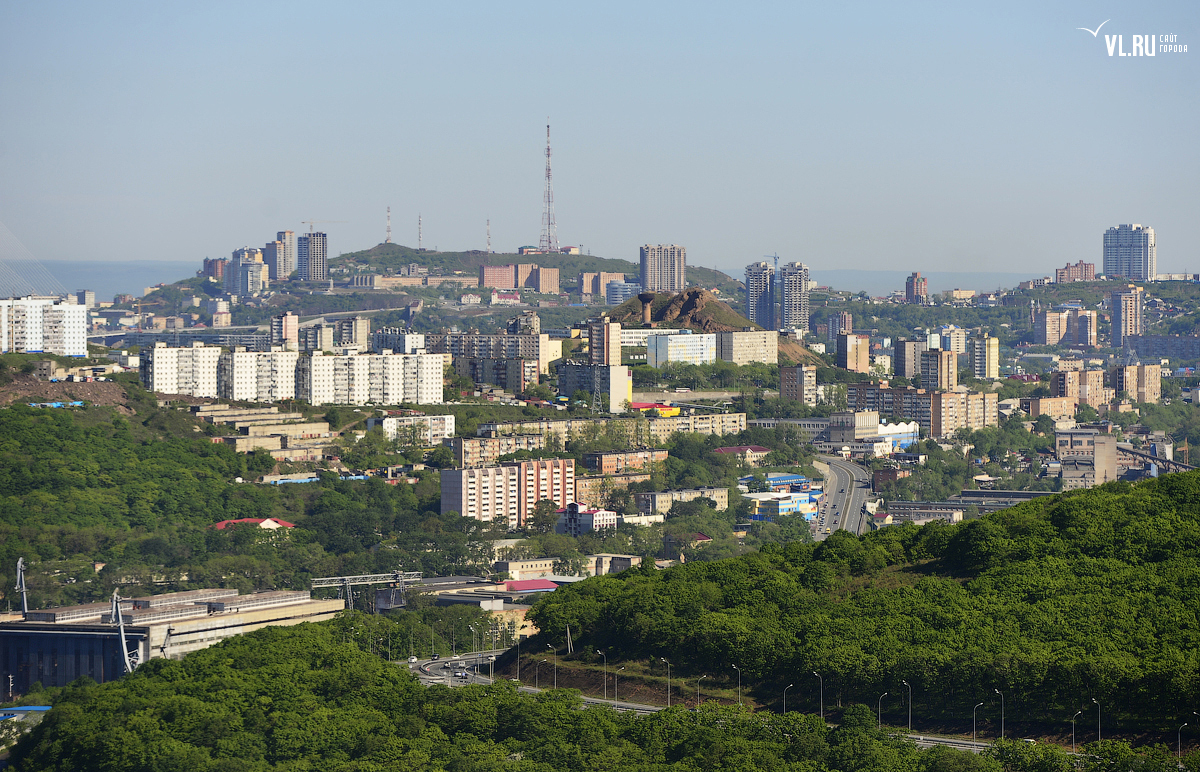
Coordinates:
(445, 666)
(462, 674)
(455, 656)
(412, 659)
(435, 657)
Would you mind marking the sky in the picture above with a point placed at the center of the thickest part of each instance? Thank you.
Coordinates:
(868, 136)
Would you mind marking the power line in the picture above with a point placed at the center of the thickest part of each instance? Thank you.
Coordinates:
(20, 271)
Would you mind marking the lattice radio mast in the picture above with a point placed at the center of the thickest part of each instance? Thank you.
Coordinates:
(489, 234)
(549, 242)
(388, 240)
(419, 231)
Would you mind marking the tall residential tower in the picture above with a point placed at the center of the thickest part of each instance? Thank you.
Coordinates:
(311, 256)
(663, 268)
(1129, 252)
(793, 297)
(760, 294)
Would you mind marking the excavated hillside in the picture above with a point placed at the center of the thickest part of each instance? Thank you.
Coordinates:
(693, 309)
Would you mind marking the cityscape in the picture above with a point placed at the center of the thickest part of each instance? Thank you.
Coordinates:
(621, 490)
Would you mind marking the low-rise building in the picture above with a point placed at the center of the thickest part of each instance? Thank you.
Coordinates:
(661, 501)
(415, 429)
(576, 519)
(753, 455)
(695, 349)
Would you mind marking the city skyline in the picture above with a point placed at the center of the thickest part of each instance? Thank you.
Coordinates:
(118, 134)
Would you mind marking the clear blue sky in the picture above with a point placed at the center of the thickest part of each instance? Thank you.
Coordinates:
(955, 136)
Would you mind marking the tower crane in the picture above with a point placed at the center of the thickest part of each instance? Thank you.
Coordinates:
(311, 223)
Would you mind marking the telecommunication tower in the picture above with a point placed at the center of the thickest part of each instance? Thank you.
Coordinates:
(549, 242)
(489, 235)
(419, 231)
(388, 240)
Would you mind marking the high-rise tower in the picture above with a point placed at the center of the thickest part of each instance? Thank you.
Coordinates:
(663, 268)
(549, 241)
(760, 294)
(793, 296)
(311, 254)
(1129, 252)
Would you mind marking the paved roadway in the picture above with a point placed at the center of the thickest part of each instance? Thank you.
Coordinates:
(431, 672)
(846, 490)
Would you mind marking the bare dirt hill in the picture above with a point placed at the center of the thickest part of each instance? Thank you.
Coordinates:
(693, 309)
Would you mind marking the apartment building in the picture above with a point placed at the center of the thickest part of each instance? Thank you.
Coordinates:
(1088, 457)
(538, 347)
(854, 352)
(695, 349)
(793, 296)
(191, 371)
(1130, 252)
(799, 382)
(636, 431)
(618, 461)
(257, 376)
(415, 429)
(985, 357)
(1085, 386)
(577, 519)
(651, 503)
(486, 451)
(907, 360)
(512, 375)
(359, 379)
(613, 383)
(1128, 319)
(509, 492)
(746, 346)
(1143, 383)
(939, 369)
(604, 341)
(760, 294)
(663, 267)
(34, 324)
(840, 323)
(596, 282)
(938, 413)
(1080, 271)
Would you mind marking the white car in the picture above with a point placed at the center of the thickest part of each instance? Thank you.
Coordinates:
(455, 656)
(412, 659)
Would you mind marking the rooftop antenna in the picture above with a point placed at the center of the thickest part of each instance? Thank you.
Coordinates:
(21, 587)
(388, 240)
(549, 242)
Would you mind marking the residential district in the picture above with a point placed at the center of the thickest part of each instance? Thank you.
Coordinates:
(867, 389)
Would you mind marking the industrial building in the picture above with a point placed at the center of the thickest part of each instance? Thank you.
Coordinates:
(57, 645)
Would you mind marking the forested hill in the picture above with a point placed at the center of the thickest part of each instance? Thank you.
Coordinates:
(1091, 594)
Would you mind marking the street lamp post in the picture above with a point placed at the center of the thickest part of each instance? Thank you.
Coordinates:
(997, 691)
(974, 713)
(518, 655)
(602, 654)
(1097, 718)
(789, 686)
(735, 667)
(622, 667)
(879, 709)
(1073, 729)
(822, 680)
(537, 668)
(473, 648)
(698, 680)
(1179, 742)
(664, 659)
(551, 648)
(906, 683)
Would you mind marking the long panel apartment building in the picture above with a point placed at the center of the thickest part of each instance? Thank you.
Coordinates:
(359, 379)
(939, 413)
(34, 324)
(538, 347)
(636, 431)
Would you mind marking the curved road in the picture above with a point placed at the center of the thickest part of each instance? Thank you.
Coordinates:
(846, 490)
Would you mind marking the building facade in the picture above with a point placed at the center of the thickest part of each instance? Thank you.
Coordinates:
(1130, 253)
(799, 382)
(280, 255)
(604, 341)
(760, 294)
(191, 371)
(938, 413)
(613, 382)
(664, 268)
(916, 289)
(620, 461)
(854, 352)
(696, 349)
(745, 346)
(257, 376)
(1143, 383)
(312, 256)
(906, 361)
(985, 357)
(1127, 314)
(793, 297)
(415, 429)
(1080, 271)
(477, 346)
(508, 493)
(359, 379)
(34, 324)
(840, 323)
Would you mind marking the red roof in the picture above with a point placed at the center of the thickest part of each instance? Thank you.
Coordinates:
(743, 449)
(221, 526)
(530, 585)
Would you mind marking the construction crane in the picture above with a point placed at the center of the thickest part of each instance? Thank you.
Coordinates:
(311, 223)
(130, 659)
(21, 587)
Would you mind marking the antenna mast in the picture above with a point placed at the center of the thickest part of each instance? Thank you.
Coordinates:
(549, 242)
(418, 231)
(388, 240)
(489, 232)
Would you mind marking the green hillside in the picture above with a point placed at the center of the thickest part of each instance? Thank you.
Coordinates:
(1088, 594)
(391, 257)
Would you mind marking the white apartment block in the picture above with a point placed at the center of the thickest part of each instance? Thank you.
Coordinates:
(748, 346)
(257, 376)
(360, 379)
(1130, 252)
(638, 336)
(673, 349)
(418, 429)
(35, 324)
(664, 268)
(478, 346)
(191, 371)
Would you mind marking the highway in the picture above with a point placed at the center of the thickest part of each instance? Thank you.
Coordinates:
(846, 490)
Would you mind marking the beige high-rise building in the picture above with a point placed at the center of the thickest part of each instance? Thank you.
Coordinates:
(1081, 328)
(508, 493)
(985, 357)
(1049, 327)
(1127, 314)
(1086, 386)
(604, 341)
(793, 296)
(799, 383)
(1143, 383)
(939, 370)
(854, 352)
(664, 268)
